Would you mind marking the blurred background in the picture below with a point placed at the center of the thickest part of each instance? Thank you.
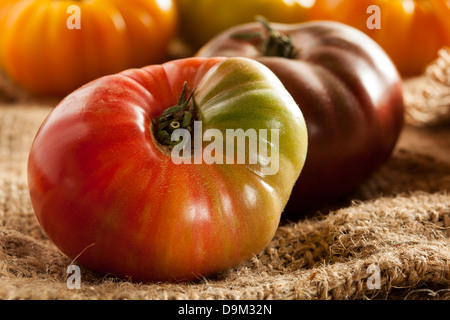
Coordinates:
(50, 48)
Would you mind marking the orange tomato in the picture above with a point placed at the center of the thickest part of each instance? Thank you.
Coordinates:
(410, 31)
(53, 47)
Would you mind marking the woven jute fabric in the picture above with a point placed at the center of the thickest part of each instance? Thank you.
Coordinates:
(390, 239)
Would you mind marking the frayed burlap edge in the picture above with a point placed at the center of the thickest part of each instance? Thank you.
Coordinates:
(428, 97)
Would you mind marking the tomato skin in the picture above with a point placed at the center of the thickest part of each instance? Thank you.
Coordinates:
(411, 31)
(42, 54)
(201, 20)
(104, 190)
(349, 92)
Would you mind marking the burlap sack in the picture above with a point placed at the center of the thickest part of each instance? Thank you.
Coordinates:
(387, 240)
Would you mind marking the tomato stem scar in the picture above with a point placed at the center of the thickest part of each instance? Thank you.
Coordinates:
(180, 116)
(274, 43)
(174, 125)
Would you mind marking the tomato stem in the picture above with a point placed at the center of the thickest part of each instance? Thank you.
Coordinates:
(180, 116)
(274, 43)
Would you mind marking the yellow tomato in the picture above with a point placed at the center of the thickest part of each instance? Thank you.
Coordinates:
(203, 19)
(53, 47)
(410, 31)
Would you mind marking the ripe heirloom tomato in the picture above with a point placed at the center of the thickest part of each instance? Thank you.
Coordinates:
(347, 88)
(42, 50)
(104, 186)
(410, 31)
(201, 20)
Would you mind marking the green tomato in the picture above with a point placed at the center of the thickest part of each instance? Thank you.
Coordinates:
(201, 20)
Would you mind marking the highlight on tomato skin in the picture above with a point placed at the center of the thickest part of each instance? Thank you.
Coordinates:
(51, 48)
(106, 189)
(347, 88)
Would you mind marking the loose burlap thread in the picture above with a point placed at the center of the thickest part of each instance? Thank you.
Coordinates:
(390, 239)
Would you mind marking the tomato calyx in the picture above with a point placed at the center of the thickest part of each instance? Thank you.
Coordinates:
(274, 43)
(180, 116)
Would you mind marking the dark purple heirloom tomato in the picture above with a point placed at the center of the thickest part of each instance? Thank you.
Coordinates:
(347, 88)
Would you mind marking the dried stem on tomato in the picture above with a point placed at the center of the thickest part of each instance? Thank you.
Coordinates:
(180, 116)
(274, 43)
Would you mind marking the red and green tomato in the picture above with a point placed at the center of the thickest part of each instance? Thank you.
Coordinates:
(108, 192)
